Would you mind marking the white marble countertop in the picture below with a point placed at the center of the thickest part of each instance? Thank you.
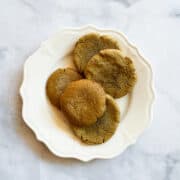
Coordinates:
(154, 26)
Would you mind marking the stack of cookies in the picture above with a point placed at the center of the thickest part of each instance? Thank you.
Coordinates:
(86, 94)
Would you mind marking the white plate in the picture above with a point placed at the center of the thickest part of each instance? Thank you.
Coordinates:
(50, 125)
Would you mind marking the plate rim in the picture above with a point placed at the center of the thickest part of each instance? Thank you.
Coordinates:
(151, 98)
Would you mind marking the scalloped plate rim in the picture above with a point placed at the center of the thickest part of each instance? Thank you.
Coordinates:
(98, 156)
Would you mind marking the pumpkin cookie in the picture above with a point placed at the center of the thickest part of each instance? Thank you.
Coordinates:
(89, 45)
(58, 80)
(83, 102)
(113, 71)
(104, 128)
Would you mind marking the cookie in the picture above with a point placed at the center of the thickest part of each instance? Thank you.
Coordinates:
(57, 82)
(104, 128)
(89, 45)
(115, 72)
(83, 102)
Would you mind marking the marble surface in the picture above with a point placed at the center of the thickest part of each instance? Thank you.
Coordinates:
(154, 26)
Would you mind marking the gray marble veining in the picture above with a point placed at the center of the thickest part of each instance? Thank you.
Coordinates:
(153, 26)
(175, 13)
(126, 3)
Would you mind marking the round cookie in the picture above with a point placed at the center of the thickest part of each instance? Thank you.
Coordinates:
(83, 102)
(104, 128)
(57, 82)
(89, 45)
(113, 71)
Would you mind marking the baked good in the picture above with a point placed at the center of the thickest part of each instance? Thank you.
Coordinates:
(104, 127)
(83, 102)
(89, 45)
(115, 72)
(57, 82)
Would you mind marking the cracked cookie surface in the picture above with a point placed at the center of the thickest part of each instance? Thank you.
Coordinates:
(105, 126)
(89, 45)
(115, 72)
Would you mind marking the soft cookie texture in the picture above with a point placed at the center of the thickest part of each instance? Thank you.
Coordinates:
(57, 82)
(104, 128)
(89, 45)
(115, 72)
(83, 102)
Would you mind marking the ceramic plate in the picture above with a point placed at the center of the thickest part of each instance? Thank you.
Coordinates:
(51, 126)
